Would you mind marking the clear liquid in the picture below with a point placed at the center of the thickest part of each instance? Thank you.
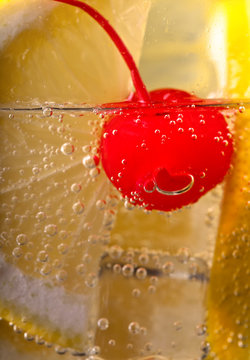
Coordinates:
(137, 292)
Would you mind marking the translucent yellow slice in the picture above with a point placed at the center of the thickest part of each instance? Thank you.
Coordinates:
(54, 52)
(56, 207)
(229, 296)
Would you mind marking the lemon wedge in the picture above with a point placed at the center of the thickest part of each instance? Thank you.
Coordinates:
(56, 205)
(228, 295)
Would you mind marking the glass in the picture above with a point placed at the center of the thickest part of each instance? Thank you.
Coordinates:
(90, 275)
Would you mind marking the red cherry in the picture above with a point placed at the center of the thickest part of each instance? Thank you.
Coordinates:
(165, 157)
(161, 152)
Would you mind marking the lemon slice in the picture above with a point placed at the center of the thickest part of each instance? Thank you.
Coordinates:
(228, 297)
(56, 206)
(52, 52)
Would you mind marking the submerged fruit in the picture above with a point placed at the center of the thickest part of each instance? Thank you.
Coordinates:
(164, 157)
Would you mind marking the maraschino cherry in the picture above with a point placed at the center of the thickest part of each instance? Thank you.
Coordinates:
(166, 148)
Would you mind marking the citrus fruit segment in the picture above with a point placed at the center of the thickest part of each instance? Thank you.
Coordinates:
(57, 53)
(52, 234)
(228, 294)
(228, 298)
(56, 206)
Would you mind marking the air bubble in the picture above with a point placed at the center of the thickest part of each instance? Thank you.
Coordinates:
(115, 252)
(80, 269)
(136, 292)
(21, 239)
(62, 248)
(91, 280)
(95, 350)
(17, 329)
(109, 218)
(60, 350)
(183, 255)
(46, 269)
(128, 205)
(47, 112)
(61, 275)
(78, 208)
(75, 188)
(141, 273)
(35, 170)
(128, 270)
(200, 329)
(17, 252)
(112, 342)
(28, 256)
(177, 325)
(242, 109)
(86, 148)
(103, 323)
(67, 149)
(168, 268)
(143, 259)
(42, 256)
(134, 328)
(148, 347)
(90, 162)
(151, 289)
(50, 230)
(63, 234)
(94, 172)
(101, 204)
(28, 336)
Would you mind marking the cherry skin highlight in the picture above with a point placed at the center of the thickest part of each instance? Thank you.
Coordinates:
(166, 148)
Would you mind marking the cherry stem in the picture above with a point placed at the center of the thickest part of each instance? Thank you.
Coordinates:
(140, 87)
